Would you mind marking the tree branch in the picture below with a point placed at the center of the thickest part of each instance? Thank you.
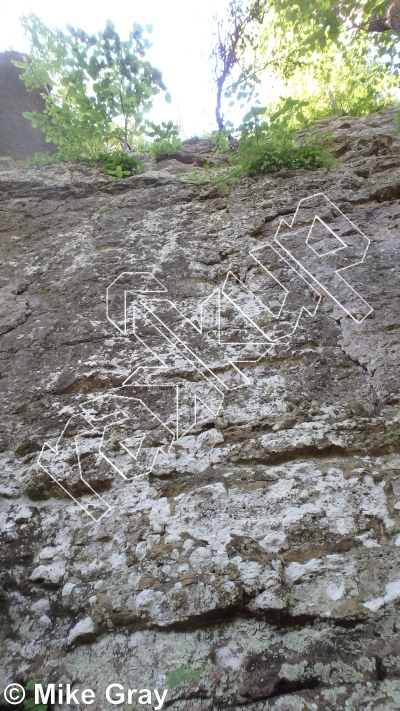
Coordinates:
(390, 21)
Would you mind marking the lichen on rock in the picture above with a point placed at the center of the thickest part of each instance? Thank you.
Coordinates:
(257, 564)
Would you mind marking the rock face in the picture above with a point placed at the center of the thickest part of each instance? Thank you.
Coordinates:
(17, 137)
(255, 561)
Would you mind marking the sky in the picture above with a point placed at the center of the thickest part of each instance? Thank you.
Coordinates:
(181, 45)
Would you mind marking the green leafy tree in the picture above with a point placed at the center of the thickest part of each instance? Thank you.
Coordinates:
(89, 81)
(337, 57)
(316, 21)
(346, 53)
(280, 38)
(308, 26)
(339, 81)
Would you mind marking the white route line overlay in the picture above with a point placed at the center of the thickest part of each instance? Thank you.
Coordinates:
(147, 284)
(333, 251)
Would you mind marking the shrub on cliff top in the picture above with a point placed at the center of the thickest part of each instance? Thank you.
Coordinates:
(89, 81)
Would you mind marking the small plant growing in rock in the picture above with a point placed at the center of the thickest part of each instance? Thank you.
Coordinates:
(221, 139)
(41, 159)
(119, 164)
(116, 164)
(269, 143)
(165, 138)
(29, 702)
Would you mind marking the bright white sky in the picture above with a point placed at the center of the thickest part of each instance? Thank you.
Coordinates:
(181, 45)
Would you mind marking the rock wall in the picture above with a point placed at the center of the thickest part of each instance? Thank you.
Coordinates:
(256, 564)
(17, 137)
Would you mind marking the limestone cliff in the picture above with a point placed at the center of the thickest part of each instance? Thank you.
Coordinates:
(257, 563)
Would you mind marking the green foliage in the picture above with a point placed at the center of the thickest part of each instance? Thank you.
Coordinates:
(320, 52)
(29, 701)
(197, 178)
(95, 80)
(269, 142)
(311, 60)
(342, 82)
(42, 159)
(222, 177)
(165, 138)
(311, 25)
(119, 164)
(232, 39)
(116, 164)
(178, 676)
(138, 142)
(281, 152)
(220, 139)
